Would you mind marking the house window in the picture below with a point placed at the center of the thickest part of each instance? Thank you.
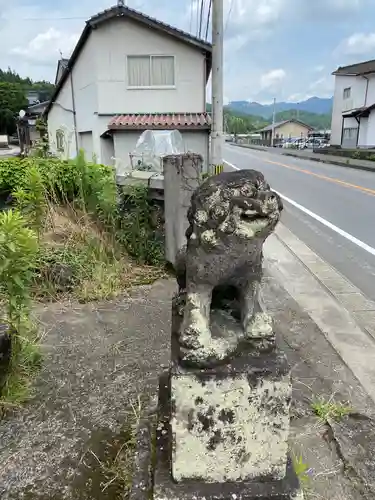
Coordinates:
(151, 71)
(350, 133)
(346, 93)
(60, 140)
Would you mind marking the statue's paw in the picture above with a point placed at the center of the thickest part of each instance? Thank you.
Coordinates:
(260, 326)
(191, 338)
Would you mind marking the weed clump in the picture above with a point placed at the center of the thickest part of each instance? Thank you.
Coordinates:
(64, 233)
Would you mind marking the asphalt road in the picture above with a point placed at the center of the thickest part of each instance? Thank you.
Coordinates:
(330, 208)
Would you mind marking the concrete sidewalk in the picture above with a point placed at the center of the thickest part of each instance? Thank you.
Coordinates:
(100, 358)
(9, 152)
(319, 157)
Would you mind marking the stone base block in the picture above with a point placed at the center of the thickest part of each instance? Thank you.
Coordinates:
(166, 487)
(231, 423)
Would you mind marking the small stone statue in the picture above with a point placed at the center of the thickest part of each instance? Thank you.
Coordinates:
(217, 309)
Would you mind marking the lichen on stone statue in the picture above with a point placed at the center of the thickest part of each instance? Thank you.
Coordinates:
(218, 307)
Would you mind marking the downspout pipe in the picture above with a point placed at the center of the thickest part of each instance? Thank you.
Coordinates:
(364, 105)
(366, 92)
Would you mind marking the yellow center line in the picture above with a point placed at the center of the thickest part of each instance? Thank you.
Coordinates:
(324, 177)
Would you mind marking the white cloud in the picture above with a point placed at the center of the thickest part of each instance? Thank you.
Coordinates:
(250, 19)
(272, 79)
(358, 44)
(47, 45)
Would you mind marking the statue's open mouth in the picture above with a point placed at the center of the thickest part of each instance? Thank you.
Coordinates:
(252, 216)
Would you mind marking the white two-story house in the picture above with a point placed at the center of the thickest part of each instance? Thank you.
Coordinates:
(129, 73)
(353, 112)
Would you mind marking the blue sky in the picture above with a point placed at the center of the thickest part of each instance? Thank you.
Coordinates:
(273, 48)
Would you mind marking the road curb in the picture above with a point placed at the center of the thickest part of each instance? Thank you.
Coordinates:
(343, 314)
(354, 166)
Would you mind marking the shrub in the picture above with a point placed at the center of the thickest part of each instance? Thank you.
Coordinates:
(31, 200)
(90, 197)
(18, 253)
(138, 230)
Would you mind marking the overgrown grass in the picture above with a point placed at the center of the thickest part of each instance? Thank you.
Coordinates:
(329, 409)
(91, 245)
(107, 464)
(302, 470)
(25, 364)
(71, 237)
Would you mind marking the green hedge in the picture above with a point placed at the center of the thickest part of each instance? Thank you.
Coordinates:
(60, 175)
(90, 187)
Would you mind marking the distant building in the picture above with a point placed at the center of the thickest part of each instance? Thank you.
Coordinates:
(286, 129)
(32, 114)
(353, 113)
(129, 73)
(61, 67)
(32, 96)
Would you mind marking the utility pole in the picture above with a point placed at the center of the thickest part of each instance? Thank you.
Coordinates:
(217, 87)
(273, 121)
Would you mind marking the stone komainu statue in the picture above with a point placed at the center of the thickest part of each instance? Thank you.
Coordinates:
(220, 269)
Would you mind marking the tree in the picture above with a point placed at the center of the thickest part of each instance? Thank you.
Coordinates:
(12, 100)
(7, 122)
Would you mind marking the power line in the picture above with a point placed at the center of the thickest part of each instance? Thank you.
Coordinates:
(44, 19)
(191, 15)
(229, 13)
(208, 19)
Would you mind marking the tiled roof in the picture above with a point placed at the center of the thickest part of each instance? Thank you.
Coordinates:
(161, 121)
(279, 124)
(361, 68)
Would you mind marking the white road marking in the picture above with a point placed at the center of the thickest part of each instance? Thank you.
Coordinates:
(323, 221)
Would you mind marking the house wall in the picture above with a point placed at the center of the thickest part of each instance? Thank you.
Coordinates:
(85, 86)
(370, 136)
(99, 83)
(125, 142)
(362, 137)
(198, 142)
(118, 38)
(86, 143)
(292, 129)
(357, 99)
(61, 116)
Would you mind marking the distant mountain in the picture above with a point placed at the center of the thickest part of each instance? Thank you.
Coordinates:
(315, 105)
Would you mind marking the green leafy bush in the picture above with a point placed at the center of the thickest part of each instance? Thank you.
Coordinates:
(31, 199)
(139, 226)
(18, 254)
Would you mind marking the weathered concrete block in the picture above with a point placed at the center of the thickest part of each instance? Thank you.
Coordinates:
(231, 423)
(257, 488)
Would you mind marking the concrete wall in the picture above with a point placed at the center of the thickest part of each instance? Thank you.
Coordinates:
(292, 130)
(61, 116)
(362, 137)
(85, 86)
(83, 82)
(86, 143)
(370, 136)
(117, 39)
(198, 142)
(125, 142)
